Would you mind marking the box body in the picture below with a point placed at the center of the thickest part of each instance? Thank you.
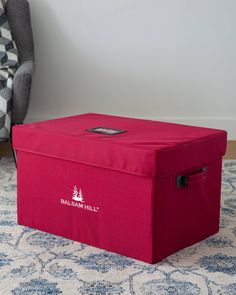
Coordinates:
(116, 193)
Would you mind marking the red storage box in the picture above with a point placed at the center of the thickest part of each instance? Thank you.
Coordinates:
(144, 191)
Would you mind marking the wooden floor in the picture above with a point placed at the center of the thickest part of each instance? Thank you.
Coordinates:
(231, 150)
(5, 150)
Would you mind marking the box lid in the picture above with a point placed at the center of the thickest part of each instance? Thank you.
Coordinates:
(147, 148)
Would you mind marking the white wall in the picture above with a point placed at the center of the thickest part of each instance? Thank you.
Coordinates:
(164, 59)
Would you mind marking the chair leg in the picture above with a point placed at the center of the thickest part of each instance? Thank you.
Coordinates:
(14, 156)
(13, 150)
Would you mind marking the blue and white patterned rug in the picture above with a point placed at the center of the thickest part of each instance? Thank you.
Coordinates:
(33, 262)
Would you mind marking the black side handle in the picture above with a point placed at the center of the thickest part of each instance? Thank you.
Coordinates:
(182, 180)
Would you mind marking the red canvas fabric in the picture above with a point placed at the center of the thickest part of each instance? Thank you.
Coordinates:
(127, 198)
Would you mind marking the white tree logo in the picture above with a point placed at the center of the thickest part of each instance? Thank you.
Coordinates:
(77, 195)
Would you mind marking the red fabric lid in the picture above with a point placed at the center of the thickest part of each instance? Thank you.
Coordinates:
(148, 148)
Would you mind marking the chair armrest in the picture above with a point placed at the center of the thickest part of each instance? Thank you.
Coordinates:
(26, 68)
(18, 13)
(21, 91)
